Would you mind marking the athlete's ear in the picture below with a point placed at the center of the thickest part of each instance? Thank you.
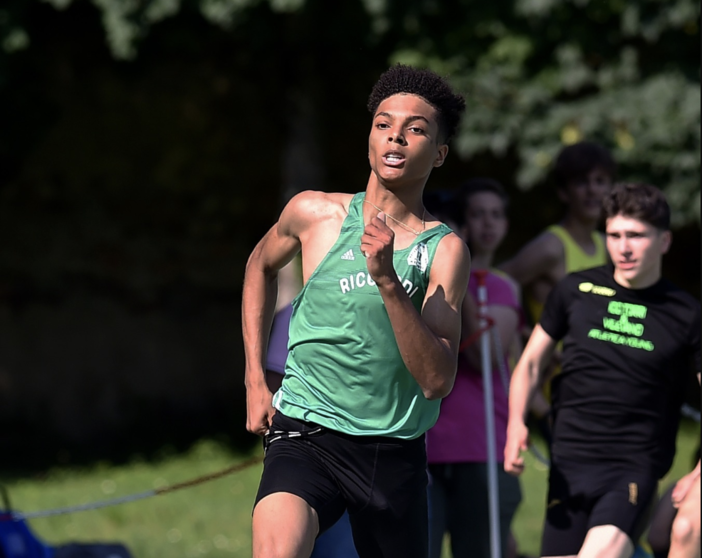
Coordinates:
(666, 241)
(441, 155)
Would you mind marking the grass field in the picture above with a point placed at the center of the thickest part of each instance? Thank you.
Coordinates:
(212, 519)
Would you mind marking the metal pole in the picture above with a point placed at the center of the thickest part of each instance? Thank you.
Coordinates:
(493, 499)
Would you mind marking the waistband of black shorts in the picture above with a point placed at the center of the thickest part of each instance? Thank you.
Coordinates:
(307, 426)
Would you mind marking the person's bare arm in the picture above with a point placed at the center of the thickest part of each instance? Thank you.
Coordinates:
(525, 381)
(277, 248)
(428, 342)
(537, 259)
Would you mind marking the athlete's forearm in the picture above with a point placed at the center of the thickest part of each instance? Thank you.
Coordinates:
(427, 357)
(523, 385)
(527, 374)
(257, 308)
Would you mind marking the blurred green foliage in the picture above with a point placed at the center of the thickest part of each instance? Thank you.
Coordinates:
(540, 74)
(537, 74)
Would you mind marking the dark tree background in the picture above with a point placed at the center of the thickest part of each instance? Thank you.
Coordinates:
(146, 146)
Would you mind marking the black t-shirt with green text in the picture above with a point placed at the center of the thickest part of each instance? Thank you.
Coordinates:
(626, 359)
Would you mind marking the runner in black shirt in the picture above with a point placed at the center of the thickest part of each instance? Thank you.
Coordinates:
(629, 340)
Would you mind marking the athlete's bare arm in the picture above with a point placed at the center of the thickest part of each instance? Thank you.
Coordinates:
(541, 259)
(309, 215)
(525, 380)
(428, 342)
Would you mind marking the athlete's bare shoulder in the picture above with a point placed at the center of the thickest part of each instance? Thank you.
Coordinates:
(452, 251)
(310, 209)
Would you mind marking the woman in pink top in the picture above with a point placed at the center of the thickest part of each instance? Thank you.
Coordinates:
(456, 445)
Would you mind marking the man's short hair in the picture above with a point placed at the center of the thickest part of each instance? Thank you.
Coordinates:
(637, 200)
(576, 161)
(426, 84)
(477, 186)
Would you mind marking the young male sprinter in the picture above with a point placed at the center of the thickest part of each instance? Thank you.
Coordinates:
(373, 342)
(628, 338)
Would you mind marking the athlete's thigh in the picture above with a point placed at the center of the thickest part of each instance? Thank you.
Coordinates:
(567, 512)
(283, 524)
(627, 502)
(292, 465)
(389, 515)
(607, 541)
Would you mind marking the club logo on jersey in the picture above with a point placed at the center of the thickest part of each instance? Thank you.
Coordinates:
(596, 289)
(620, 330)
(419, 257)
(348, 255)
(363, 279)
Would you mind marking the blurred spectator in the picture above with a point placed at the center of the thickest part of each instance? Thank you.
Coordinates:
(457, 444)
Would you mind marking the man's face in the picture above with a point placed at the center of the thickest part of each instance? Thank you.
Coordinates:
(636, 249)
(584, 196)
(486, 222)
(404, 144)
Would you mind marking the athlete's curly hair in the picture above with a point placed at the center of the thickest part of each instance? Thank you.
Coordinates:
(426, 84)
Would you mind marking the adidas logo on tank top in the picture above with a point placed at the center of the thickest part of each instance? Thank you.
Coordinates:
(348, 255)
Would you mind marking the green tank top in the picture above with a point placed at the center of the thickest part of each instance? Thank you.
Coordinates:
(344, 370)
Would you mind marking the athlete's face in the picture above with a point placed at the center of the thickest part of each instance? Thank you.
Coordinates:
(486, 222)
(404, 144)
(584, 196)
(636, 249)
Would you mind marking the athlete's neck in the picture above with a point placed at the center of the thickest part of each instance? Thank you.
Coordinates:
(404, 204)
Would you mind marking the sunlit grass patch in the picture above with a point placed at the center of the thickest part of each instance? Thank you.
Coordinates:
(214, 519)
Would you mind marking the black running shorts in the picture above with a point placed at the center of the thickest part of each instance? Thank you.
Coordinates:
(381, 481)
(586, 495)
